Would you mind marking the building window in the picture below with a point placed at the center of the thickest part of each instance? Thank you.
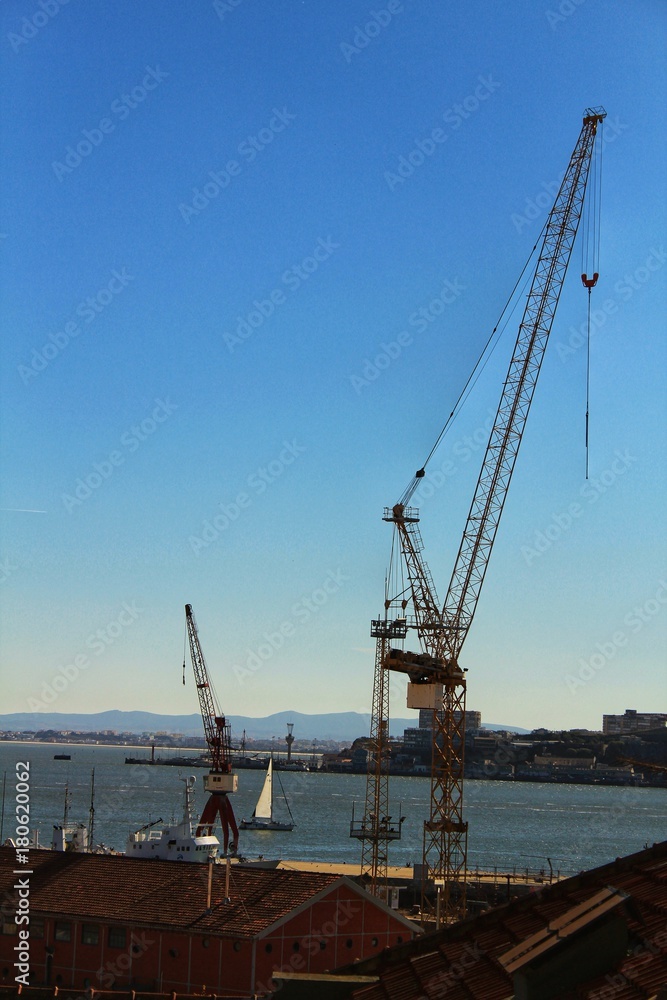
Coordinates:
(323, 945)
(9, 927)
(374, 943)
(237, 946)
(117, 937)
(36, 928)
(90, 934)
(348, 943)
(268, 949)
(296, 946)
(63, 931)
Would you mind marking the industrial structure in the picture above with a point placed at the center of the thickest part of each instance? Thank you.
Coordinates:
(220, 782)
(436, 681)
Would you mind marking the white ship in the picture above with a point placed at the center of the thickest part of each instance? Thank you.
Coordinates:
(174, 843)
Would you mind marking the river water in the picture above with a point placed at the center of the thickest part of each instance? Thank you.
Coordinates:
(510, 823)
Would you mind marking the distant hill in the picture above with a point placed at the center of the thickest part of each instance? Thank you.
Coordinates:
(340, 726)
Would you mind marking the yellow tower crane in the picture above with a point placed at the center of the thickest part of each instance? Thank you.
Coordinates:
(436, 681)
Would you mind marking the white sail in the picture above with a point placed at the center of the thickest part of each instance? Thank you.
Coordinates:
(264, 807)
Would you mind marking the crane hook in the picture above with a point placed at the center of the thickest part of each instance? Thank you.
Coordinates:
(590, 282)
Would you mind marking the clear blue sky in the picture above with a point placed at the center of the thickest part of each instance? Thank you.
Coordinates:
(205, 245)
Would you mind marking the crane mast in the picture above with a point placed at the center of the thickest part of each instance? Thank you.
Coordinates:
(220, 781)
(436, 682)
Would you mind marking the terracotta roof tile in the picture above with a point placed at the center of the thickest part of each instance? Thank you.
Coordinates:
(163, 893)
(642, 876)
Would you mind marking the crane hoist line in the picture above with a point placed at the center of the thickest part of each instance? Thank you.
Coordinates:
(436, 682)
(220, 782)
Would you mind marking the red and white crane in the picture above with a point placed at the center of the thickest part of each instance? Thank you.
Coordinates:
(220, 782)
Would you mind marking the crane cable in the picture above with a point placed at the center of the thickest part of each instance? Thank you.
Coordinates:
(185, 640)
(590, 261)
(480, 365)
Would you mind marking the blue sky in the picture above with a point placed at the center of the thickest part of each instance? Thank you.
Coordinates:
(208, 245)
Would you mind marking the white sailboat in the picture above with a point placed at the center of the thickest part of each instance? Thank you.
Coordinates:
(262, 817)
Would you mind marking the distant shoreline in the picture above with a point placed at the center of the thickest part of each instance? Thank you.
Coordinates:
(82, 743)
(178, 750)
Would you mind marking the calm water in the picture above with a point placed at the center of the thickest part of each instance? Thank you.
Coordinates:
(521, 824)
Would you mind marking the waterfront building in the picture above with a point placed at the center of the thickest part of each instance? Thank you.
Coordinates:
(100, 922)
(632, 722)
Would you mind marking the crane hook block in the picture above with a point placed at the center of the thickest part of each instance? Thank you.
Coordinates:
(590, 282)
(420, 473)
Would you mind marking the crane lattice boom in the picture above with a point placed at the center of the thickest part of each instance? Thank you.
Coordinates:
(517, 395)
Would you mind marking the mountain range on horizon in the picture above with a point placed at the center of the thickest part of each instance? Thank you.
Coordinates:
(338, 726)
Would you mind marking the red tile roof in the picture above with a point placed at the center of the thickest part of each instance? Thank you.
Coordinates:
(463, 961)
(160, 893)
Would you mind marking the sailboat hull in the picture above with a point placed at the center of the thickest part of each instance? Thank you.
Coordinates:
(263, 818)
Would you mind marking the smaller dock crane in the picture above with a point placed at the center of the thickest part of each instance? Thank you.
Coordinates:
(220, 782)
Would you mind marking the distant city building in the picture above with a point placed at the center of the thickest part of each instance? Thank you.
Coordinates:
(473, 719)
(580, 763)
(416, 740)
(632, 722)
